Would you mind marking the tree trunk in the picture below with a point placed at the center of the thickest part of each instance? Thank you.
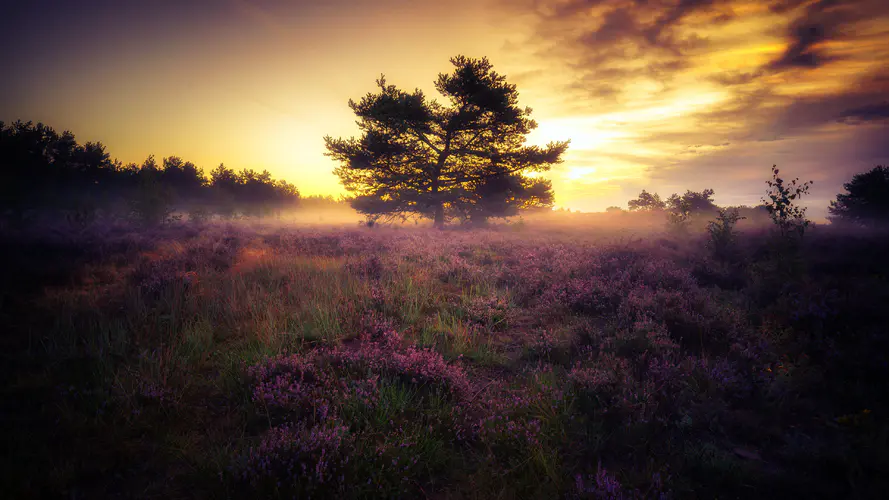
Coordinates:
(438, 221)
(478, 220)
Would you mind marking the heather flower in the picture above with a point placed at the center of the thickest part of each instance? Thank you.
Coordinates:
(154, 391)
(313, 456)
(542, 345)
(601, 486)
(308, 395)
(491, 312)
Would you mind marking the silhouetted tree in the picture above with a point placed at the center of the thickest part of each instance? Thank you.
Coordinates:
(782, 203)
(693, 202)
(152, 202)
(614, 210)
(41, 169)
(646, 202)
(223, 184)
(683, 208)
(866, 200)
(44, 172)
(253, 193)
(416, 156)
(756, 214)
(185, 180)
(503, 196)
(286, 194)
(722, 233)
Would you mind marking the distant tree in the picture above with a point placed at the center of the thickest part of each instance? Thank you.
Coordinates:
(41, 169)
(755, 214)
(151, 204)
(185, 180)
(866, 200)
(255, 193)
(646, 202)
(223, 186)
(781, 203)
(286, 193)
(251, 193)
(223, 177)
(321, 201)
(614, 210)
(693, 202)
(43, 172)
(418, 157)
(683, 207)
(722, 233)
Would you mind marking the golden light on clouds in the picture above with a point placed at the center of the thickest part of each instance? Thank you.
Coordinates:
(666, 96)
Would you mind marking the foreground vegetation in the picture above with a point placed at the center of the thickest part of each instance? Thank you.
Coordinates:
(232, 361)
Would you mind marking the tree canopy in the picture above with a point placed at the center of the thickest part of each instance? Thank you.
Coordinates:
(693, 202)
(466, 157)
(690, 203)
(866, 200)
(646, 202)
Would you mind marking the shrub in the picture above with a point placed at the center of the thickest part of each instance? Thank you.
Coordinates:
(722, 233)
(781, 203)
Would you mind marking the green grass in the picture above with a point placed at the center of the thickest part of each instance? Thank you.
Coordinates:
(121, 385)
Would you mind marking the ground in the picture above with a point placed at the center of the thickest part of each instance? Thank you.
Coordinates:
(246, 360)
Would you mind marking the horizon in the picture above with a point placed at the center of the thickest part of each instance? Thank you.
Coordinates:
(666, 97)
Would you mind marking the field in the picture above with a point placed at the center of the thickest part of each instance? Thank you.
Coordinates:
(260, 360)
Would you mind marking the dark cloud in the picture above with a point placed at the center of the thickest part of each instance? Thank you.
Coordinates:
(732, 78)
(801, 109)
(617, 25)
(782, 6)
(821, 21)
(806, 35)
(866, 113)
(866, 103)
(764, 114)
(608, 42)
(649, 24)
(672, 15)
(646, 32)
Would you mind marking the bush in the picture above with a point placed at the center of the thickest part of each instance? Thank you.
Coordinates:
(722, 233)
(781, 204)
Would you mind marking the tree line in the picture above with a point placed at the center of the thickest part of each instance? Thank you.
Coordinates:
(865, 202)
(49, 173)
(464, 159)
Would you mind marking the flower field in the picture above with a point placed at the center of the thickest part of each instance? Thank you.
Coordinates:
(271, 361)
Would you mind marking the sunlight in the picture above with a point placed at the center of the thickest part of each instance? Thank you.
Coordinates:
(685, 103)
(585, 133)
(576, 173)
(470, 248)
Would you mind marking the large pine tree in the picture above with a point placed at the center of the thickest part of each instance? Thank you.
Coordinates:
(417, 156)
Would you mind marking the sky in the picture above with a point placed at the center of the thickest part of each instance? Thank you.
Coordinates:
(662, 95)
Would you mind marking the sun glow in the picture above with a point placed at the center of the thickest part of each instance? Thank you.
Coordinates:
(585, 133)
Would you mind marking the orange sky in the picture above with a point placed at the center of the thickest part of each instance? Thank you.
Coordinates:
(665, 95)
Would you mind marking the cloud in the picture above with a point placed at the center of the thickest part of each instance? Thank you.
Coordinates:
(606, 43)
(716, 91)
(869, 112)
(820, 22)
